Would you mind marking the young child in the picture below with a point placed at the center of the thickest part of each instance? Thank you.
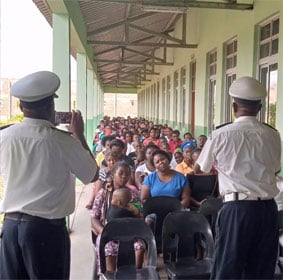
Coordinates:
(188, 136)
(121, 206)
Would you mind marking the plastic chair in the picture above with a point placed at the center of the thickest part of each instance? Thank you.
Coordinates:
(203, 186)
(210, 208)
(126, 231)
(94, 269)
(161, 206)
(180, 230)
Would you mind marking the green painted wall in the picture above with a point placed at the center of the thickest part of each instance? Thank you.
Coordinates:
(210, 29)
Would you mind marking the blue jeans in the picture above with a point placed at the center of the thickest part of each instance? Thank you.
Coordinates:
(36, 249)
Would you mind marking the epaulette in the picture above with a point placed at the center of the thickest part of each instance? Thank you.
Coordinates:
(61, 130)
(270, 126)
(221, 125)
(6, 126)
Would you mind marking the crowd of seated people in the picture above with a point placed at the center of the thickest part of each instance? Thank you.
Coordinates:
(150, 160)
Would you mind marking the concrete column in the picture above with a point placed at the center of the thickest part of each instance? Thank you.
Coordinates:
(100, 102)
(61, 59)
(82, 84)
(95, 102)
(90, 106)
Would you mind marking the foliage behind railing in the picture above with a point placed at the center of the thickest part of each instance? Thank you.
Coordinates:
(15, 119)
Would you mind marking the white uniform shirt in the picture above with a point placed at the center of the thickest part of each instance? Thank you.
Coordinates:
(38, 163)
(247, 155)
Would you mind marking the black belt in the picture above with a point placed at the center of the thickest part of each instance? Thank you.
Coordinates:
(23, 217)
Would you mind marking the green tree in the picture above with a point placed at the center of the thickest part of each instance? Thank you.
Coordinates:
(272, 114)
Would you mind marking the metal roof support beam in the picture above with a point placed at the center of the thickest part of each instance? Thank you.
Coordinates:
(144, 54)
(157, 45)
(117, 24)
(108, 50)
(113, 89)
(118, 47)
(132, 72)
(135, 62)
(158, 34)
(184, 4)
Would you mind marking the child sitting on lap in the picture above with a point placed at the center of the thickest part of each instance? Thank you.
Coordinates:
(121, 206)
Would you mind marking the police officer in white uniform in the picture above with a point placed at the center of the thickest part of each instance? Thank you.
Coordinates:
(38, 163)
(247, 156)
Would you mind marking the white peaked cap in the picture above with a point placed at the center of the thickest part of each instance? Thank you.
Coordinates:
(247, 88)
(36, 86)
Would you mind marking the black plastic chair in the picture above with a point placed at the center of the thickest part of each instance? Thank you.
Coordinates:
(180, 230)
(203, 186)
(94, 269)
(126, 231)
(161, 206)
(210, 208)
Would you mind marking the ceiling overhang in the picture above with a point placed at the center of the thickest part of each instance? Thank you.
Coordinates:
(130, 38)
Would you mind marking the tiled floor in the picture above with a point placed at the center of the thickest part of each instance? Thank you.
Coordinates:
(81, 245)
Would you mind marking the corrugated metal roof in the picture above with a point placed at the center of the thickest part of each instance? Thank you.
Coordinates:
(124, 36)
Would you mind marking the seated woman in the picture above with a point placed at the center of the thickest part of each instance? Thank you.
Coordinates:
(165, 181)
(147, 167)
(138, 155)
(186, 166)
(120, 175)
(153, 134)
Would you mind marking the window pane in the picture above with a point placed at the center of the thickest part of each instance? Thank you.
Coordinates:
(235, 61)
(212, 69)
(275, 27)
(183, 76)
(264, 50)
(235, 45)
(265, 32)
(263, 78)
(272, 99)
(274, 46)
(168, 83)
(229, 62)
(193, 85)
(193, 68)
(212, 57)
(230, 48)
